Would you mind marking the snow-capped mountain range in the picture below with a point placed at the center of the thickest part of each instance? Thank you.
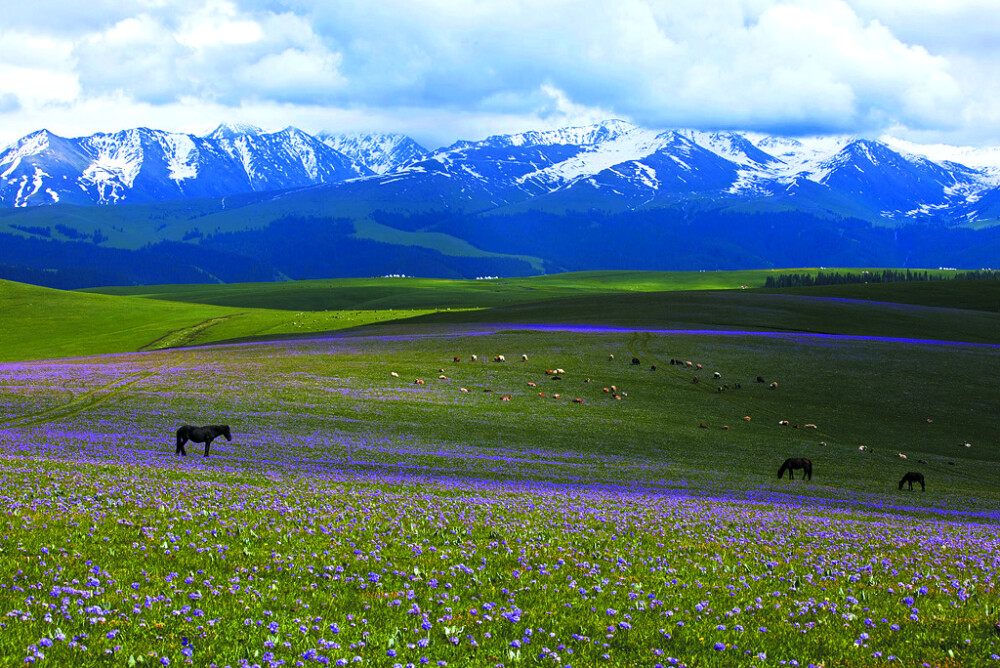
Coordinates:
(612, 165)
(143, 165)
(625, 166)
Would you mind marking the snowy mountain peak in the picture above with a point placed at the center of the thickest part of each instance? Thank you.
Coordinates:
(586, 135)
(381, 153)
(232, 130)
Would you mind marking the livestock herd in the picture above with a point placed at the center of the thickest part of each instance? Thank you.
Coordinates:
(207, 433)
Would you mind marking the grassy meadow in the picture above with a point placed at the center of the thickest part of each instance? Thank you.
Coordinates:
(484, 516)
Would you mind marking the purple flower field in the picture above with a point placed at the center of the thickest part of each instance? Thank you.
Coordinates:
(357, 518)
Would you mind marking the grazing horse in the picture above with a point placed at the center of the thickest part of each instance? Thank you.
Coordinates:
(200, 435)
(912, 477)
(796, 463)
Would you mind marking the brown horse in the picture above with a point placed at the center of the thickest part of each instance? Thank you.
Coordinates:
(796, 463)
(200, 435)
(912, 477)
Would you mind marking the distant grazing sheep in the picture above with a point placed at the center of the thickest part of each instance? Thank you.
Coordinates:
(524, 358)
(475, 358)
(418, 382)
(499, 358)
(457, 359)
(760, 379)
(578, 401)
(505, 397)
(811, 426)
(863, 448)
(716, 375)
(965, 445)
(921, 461)
(703, 426)
(652, 368)
(530, 384)
(901, 455)
(697, 366)
(784, 423)
(773, 386)
(394, 374)
(442, 377)
(463, 389)
(635, 361)
(611, 358)
(694, 379)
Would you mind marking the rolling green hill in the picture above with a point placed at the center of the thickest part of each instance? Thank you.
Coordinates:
(360, 293)
(42, 323)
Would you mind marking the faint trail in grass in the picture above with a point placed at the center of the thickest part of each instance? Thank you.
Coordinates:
(183, 337)
(83, 402)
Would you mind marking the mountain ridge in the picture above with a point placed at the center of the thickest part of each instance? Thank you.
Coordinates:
(613, 165)
(241, 203)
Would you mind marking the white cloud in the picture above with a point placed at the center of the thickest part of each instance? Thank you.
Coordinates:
(218, 23)
(860, 66)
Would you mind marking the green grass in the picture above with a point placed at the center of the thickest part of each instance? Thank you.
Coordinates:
(622, 532)
(43, 323)
(360, 293)
(150, 317)
(347, 489)
(975, 295)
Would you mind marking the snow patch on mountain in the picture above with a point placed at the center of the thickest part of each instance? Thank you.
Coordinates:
(182, 156)
(33, 144)
(807, 157)
(300, 151)
(619, 145)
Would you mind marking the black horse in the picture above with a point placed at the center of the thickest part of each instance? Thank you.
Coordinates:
(200, 435)
(912, 477)
(796, 463)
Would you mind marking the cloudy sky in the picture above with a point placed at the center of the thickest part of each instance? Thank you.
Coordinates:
(441, 70)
